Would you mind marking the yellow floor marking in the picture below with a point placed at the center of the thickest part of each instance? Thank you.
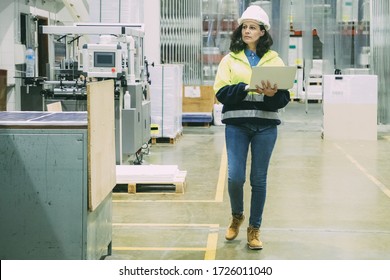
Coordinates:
(378, 183)
(212, 241)
(165, 225)
(164, 201)
(156, 249)
(210, 250)
(222, 176)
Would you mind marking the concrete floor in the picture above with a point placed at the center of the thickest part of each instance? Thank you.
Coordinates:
(327, 200)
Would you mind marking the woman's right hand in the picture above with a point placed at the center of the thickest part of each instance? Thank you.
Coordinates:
(266, 88)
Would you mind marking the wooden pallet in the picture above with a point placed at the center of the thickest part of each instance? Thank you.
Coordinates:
(204, 124)
(302, 100)
(151, 175)
(314, 101)
(165, 140)
(178, 183)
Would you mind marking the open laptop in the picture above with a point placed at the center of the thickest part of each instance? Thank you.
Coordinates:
(282, 76)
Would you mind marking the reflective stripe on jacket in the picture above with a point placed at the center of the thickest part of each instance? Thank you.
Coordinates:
(240, 106)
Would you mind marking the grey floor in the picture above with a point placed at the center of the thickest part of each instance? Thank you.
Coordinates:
(327, 200)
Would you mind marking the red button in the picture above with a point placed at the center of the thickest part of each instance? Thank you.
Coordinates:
(112, 70)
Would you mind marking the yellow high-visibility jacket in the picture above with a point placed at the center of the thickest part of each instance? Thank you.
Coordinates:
(240, 106)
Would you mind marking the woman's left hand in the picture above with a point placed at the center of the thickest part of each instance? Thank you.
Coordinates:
(266, 88)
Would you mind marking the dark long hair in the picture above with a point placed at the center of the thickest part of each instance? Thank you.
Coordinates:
(263, 45)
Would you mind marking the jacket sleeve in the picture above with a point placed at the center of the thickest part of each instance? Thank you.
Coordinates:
(232, 94)
(278, 101)
(226, 91)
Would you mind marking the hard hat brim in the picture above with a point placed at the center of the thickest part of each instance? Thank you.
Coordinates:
(266, 26)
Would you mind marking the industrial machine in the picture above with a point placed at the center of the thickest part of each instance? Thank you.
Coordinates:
(88, 52)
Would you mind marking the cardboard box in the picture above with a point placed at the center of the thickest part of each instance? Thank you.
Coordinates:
(198, 99)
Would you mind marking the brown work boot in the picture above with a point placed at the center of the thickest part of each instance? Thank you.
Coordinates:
(254, 242)
(234, 227)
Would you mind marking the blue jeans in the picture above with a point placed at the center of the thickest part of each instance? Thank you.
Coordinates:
(262, 141)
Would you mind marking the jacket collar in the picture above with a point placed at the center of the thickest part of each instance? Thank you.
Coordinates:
(266, 57)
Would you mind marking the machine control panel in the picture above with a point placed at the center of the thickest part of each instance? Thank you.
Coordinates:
(102, 60)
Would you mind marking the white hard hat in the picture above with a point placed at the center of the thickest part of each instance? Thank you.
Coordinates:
(257, 14)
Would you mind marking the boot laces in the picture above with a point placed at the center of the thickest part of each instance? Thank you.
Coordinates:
(254, 233)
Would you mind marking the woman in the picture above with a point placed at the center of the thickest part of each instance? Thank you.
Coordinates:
(251, 118)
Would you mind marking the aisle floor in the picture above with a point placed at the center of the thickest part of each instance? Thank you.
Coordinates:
(326, 200)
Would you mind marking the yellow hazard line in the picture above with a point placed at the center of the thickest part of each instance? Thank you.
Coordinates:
(372, 178)
(210, 249)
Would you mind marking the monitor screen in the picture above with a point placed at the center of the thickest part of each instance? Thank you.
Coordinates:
(104, 59)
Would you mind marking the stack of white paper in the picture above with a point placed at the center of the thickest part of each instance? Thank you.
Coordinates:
(126, 174)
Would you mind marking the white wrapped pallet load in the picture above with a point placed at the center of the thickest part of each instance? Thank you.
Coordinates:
(166, 100)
